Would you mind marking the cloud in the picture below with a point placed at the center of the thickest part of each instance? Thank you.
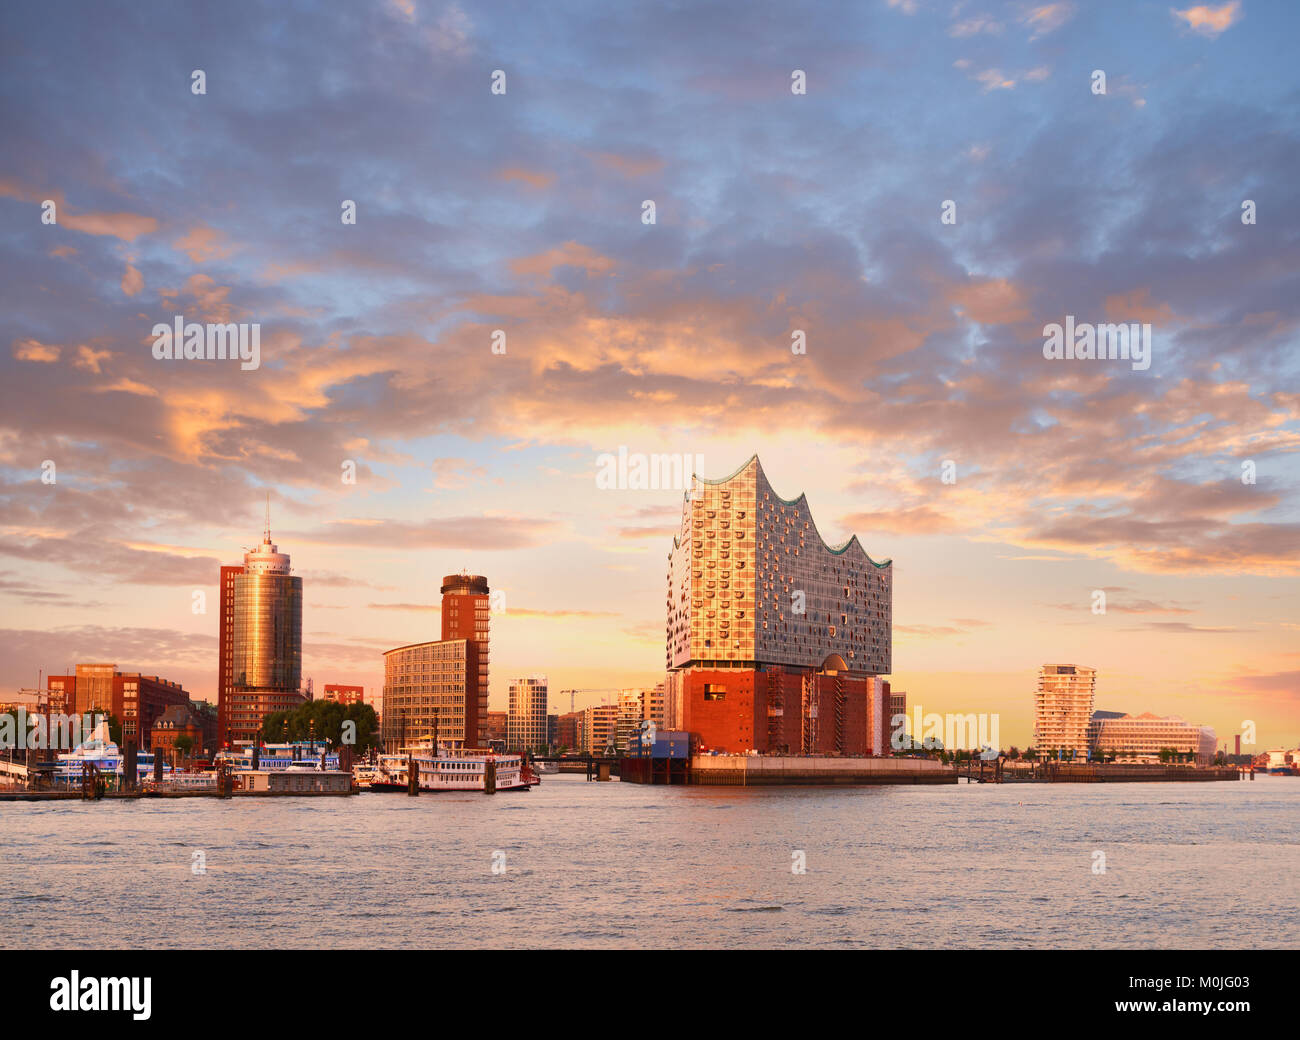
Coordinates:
(460, 532)
(89, 358)
(1047, 18)
(1286, 684)
(203, 243)
(1207, 20)
(993, 79)
(534, 179)
(132, 281)
(973, 26)
(34, 350)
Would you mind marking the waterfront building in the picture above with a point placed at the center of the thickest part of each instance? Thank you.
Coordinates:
(773, 636)
(431, 688)
(567, 729)
(340, 694)
(598, 729)
(526, 726)
(466, 614)
(136, 700)
(184, 720)
(654, 706)
(1142, 737)
(493, 730)
(1063, 708)
(629, 717)
(260, 641)
(898, 706)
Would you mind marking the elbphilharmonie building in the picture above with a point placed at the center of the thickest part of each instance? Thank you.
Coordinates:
(776, 641)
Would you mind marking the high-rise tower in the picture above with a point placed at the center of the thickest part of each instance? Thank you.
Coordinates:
(260, 645)
(466, 611)
(1063, 708)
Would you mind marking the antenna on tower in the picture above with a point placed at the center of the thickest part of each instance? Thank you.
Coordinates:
(268, 516)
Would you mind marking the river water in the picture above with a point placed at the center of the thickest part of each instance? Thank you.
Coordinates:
(578, 864)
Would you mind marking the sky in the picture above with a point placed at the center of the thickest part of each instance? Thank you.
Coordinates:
(950, 182)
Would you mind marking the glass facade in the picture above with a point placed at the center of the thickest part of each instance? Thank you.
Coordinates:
(267, 639)
(424, 687)
(750, 581)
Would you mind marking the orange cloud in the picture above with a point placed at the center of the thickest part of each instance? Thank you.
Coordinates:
(571, 254)
(1207, 20)
(1137, 306)
(532, 178)
(203, 243)
(126, 226)
(629, 165)
(34, 350)
(132, 281)
(995, 301)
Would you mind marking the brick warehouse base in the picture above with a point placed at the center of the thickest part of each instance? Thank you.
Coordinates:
(786, 710)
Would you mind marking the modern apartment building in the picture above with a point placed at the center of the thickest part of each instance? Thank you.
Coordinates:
(1142, 737)
(598, 729)
(430, 693)
(773, 635)
(1063, 708)
(526, 721)
(654, 706)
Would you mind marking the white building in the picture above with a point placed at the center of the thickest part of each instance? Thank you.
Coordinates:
(1063, 708)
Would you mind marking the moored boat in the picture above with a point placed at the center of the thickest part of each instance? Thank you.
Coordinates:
(468, 769)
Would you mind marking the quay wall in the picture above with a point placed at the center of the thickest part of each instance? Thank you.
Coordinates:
(760, 770)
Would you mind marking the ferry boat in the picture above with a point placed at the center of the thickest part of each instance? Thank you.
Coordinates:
(545, 768)
(1277, 763)
(453, 770)
(104, 754)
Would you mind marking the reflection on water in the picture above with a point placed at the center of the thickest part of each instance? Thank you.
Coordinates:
(1187, 865)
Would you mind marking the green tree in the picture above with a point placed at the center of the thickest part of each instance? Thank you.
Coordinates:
(184, 745)
(324, 720)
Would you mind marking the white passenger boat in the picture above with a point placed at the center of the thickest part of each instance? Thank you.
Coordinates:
(454, 770)
(104, 754)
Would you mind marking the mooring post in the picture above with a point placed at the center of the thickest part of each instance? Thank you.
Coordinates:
(490, 776)
(412, 776)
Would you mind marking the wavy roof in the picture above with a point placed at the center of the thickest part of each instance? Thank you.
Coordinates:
(837, 550)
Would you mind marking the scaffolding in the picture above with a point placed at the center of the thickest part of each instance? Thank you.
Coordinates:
(808, 738)
(775, 710)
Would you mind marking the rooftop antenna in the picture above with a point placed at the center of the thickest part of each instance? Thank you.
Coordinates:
(268, 517)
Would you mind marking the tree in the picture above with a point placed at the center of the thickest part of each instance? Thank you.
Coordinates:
(184, 744)
(324, 720)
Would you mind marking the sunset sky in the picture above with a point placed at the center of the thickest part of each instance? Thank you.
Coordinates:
(775, 211)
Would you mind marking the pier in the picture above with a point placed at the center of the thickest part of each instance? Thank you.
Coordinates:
(773, 770)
